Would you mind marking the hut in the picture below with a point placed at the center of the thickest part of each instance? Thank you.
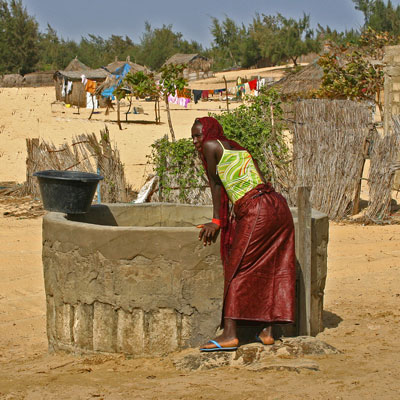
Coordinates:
(12, 80)
(39, 79)
(198, 67)
(76, 65)
(302, 84)
(117, 65)
(77, 96)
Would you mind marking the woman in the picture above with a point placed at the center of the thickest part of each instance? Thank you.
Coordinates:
(257, 243)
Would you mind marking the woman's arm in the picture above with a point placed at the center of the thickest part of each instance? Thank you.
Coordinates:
(212, 153)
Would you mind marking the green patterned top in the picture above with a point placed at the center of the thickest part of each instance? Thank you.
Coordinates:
(237, 172)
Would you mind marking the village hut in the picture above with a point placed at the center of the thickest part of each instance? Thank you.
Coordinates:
(12, 80)
(76, 65)
(198, 67)
(77, 96)
(302, 84)
(39, 79)
(117, 65)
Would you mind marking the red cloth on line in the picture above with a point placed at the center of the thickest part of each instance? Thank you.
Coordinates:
(204, 94)
(253, 84)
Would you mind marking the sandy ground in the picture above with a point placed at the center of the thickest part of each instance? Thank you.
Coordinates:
(362, 301)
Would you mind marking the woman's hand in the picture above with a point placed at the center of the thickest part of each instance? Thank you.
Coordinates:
(209, 233)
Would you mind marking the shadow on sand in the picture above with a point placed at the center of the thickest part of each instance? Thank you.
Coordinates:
(331, 320)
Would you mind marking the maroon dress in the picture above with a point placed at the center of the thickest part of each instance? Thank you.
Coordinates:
(260, 269)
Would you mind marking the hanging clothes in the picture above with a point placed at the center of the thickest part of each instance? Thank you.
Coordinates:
(91, 101)
(182, 101)
(90, 86)
(253, 84)
(63, 87)
(247, 89)
(197, 95)
(186, 93)
(204, 94)
(69, 87)
(260, 83)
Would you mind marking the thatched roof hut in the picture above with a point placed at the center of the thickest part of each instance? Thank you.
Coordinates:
(12, 80)
(78, 95)
(114, 66)
(76, 65)
(301, 84)
(39, 79)
(198, 67)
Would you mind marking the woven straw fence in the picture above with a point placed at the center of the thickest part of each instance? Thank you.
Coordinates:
(329, 138)
(86, 154)
(381, 175)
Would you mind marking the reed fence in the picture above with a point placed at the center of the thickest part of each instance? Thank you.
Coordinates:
(87, 154)
(328, 151)
(381, 175)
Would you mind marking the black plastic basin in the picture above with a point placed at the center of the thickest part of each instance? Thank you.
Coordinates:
(70, 192)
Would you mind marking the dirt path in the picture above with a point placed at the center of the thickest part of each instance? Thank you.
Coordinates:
(362, 317)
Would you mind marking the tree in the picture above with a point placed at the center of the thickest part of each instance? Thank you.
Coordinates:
(19, 38)
(143, 85)
(280, 38)
(341, 38)
(227, 38)
(380, 16)
(158, 44)
(171, 81)
(353, 73)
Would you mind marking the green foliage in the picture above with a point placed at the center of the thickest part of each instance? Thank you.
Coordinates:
(172, 78)
(349, 72)
(18, 38)
(175, 165)
(258, 128)
(274, 39)
(379, 15)
(141, 85)
(158, 44)
(348, 37)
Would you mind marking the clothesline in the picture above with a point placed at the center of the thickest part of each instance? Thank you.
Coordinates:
(184, 96)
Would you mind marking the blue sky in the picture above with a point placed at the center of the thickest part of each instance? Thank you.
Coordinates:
(76, 18)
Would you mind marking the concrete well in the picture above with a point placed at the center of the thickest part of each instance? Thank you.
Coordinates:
(134, 279)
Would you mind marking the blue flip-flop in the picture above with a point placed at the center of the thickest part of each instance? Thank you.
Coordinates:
(218, 348)
(259, 340)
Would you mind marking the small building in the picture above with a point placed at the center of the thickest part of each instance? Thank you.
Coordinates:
(11, 80)
(72, 75)
(198, 67)
(39, 79)
(116, 65)
(302, 84)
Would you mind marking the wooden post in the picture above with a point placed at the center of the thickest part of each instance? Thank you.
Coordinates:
(90, 116)
(171, 129)
(119, 115)
(226, 90)
(356, 201)
(304, 258)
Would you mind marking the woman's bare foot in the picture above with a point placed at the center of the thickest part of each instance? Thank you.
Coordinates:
(223, 342)
(266, 336)
(228, 338)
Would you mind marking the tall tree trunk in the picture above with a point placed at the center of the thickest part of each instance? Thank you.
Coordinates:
(171, 129)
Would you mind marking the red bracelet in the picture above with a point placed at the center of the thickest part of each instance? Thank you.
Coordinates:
(216, 221)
